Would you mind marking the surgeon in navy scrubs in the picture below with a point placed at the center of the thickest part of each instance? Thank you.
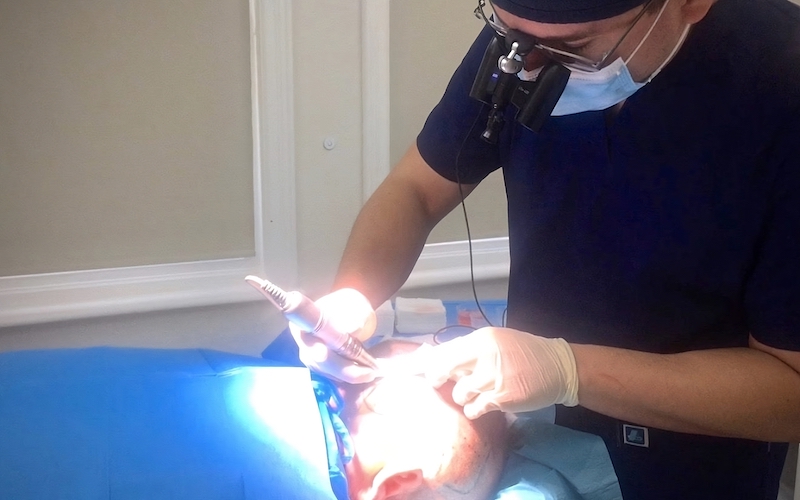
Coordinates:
(654, 225)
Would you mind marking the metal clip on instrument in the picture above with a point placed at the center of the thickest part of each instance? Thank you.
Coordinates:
(302, 311)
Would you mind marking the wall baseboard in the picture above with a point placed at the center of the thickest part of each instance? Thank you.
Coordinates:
(64, 296)
(449, 263)
(43, 298)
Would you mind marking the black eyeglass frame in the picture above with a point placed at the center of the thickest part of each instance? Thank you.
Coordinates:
(566, 58)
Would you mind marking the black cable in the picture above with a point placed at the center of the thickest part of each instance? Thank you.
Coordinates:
(466, 218)
(440, 337)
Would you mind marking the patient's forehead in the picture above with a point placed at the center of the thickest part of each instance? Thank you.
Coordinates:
(401, 394)
(385, 349)
(393, 347)
(396, 393)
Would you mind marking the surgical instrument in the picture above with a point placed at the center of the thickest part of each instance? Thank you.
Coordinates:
(300, 310)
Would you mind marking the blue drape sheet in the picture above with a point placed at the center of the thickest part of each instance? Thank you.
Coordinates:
(119, 424)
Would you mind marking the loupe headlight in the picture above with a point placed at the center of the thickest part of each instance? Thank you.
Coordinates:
(497, 84)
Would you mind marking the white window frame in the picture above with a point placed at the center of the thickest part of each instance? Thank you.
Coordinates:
(79, 294)
(58, 296)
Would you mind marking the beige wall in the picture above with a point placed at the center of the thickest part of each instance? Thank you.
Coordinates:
(125, 134)
(327, 71)
(428, 41)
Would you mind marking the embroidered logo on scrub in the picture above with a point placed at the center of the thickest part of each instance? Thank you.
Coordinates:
(635, 435)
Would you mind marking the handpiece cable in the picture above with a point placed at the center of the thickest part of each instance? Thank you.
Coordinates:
(466, 217)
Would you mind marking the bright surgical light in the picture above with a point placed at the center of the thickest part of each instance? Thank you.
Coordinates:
(276, 405)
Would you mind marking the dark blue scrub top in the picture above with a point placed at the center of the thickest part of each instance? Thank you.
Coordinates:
(672, 226)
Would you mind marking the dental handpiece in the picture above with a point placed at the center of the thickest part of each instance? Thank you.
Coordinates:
(302, 311)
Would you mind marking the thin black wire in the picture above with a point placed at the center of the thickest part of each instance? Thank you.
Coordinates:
(447, 329)
(466, 218)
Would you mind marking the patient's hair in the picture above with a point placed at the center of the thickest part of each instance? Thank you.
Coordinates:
(478, 463)
(474, 468)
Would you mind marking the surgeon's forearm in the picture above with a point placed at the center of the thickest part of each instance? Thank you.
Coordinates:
(391, 229)
(737, 392)
(383, 246)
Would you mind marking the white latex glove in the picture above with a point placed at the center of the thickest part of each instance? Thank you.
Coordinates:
(500, 369)
(347, 311)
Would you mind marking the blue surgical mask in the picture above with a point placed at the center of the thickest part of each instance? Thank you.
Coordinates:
(597, 90)
(612, 84)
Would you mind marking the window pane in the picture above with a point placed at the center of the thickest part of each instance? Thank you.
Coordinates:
(125, 133)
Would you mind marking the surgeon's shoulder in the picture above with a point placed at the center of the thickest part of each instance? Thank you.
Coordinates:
(773, 27)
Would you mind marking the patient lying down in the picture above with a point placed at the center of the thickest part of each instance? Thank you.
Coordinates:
(171, 424)
(413, 442)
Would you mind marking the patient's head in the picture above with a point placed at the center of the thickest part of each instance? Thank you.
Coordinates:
(412, 441)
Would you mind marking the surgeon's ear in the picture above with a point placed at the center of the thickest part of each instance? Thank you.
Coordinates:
(396, 485)
(693, 11)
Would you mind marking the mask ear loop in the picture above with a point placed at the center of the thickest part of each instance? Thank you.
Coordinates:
(672, 54)
(647, 35)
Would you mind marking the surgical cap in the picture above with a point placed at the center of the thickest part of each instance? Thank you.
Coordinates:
(566, 11)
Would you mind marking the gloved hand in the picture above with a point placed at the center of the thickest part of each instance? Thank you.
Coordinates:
(347, 311)
(500, 369)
